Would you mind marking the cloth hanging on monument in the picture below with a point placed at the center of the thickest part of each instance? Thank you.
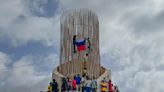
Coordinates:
(80, 43)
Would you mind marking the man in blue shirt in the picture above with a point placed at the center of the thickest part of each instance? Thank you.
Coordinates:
(78, 81)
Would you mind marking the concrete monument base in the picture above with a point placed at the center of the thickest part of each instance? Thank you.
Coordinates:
(105, 74)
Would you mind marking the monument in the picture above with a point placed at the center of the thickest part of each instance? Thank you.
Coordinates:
(79, 46)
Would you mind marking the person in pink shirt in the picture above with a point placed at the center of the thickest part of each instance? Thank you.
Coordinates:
(74, 84)
(110, 86)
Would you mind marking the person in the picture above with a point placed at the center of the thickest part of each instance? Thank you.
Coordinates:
(85, 71)
(88, 46)
(83, 81)
(74, 43)
(74, 84)
(88, 85)
(110, 86)
(68, 84)
(94, 85)
(78, 81)
(54, 86)
(49, 89)
(116, 88)
(103, 86)
(64, 85)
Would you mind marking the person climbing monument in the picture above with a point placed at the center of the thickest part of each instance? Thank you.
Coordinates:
(89, 43)
(103, 86)
(110, 86)
(74, 43)
(88, 46)
(49, 89)
(94, 84)
(54, 86)
(84, 71)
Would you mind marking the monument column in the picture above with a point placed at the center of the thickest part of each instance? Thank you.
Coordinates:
(79, 47)
(76, 26)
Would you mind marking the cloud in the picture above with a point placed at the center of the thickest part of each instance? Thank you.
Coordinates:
(26, 73)
(42, 8)
(5, 60)
(20, 26)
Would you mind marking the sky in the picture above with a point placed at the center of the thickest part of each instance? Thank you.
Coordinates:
(131, 42)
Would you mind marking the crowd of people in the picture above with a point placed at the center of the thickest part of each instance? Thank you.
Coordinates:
(82, 84)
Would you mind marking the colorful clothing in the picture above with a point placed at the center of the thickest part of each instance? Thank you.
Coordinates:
(69, 85)
(49, 88)
(103, 87)
(74, 84)
(110, 87)
(78, 80)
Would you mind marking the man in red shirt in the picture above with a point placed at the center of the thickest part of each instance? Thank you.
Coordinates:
(110, 86)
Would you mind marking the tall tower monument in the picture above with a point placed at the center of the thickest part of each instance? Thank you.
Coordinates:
(79, 46)
(79, 25)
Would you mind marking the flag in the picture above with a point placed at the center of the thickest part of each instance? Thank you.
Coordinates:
(80, 44)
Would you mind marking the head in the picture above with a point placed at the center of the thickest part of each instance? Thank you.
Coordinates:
(78, 75)
(83, 75)
(63, 79)
(74, 36)
(110, 81)
(54, 80)
(68, 78)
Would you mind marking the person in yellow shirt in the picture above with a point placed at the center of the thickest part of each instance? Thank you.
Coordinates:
(49, 89)
(103, 86)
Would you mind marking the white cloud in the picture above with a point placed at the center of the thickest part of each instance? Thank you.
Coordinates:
(20, 26)
(26, 73)
(42, 30)
(4, 61)
(9, 11)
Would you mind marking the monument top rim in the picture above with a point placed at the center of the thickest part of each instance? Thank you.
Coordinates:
(81, 11)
